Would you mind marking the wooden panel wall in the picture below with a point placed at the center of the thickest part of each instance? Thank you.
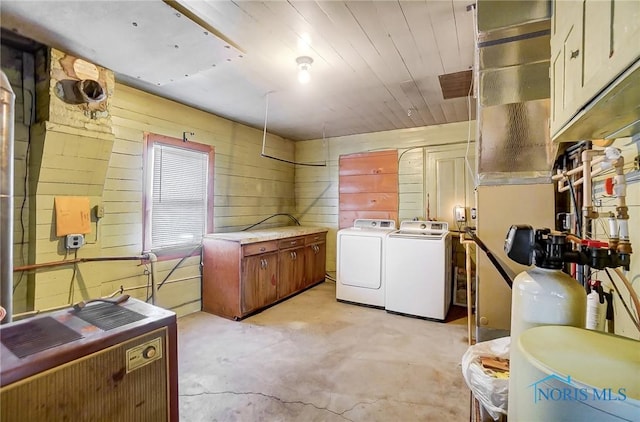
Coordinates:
(247, 187)
(317, 197)
(102, 159)
(368, 186)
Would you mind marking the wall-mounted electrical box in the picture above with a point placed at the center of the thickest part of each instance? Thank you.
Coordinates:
(74, 241)
(98, 211)
(460, 214)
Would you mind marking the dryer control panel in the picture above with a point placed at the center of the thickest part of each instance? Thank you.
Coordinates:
(365, 223)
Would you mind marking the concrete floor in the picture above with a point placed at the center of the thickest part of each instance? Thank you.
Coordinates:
(312, 358)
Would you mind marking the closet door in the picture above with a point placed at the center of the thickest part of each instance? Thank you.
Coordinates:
(449, 184)
(368, 186)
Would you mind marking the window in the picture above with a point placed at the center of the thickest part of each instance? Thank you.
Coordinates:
(178, 200)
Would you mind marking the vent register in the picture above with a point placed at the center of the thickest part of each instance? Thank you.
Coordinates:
(514, 143)
(44, 333)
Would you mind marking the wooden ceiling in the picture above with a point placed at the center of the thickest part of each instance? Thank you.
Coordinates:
(376, 64)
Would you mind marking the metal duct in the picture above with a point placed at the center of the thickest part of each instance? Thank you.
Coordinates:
(7, 104)
(514, 143)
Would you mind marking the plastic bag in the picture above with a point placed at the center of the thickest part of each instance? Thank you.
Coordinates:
(492, 393)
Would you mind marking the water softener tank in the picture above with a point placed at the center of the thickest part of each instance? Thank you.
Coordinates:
(543, 295)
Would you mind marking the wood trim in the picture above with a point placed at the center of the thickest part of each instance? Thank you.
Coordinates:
(150, 139)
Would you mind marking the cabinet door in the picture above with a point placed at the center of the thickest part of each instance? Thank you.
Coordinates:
(315, 257)
(291, 274)
(259, 281)
(612, 28)
(566, 61)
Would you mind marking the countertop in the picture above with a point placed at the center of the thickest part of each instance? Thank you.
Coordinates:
(252, 236)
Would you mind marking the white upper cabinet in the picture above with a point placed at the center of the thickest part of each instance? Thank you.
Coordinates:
(595, 48)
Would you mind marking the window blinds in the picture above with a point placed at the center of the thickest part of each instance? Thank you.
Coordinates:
(179, 196)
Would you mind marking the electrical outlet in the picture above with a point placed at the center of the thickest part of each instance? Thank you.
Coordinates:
(473, 213)
(98, 211)
(74, 241)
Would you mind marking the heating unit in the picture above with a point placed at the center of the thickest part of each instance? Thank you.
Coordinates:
(360, 262)
(418, 269)
(105, 362)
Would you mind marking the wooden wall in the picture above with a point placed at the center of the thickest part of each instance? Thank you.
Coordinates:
(316, 188)
(100, 157)
(247, 187)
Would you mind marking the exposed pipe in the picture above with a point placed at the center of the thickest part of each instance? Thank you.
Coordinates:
(587, 201)
(620, 192)
(153, 258)
(7, 103)
(78, 260)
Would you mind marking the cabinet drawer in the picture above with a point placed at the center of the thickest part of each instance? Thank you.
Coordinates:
(258, 248)
(291, 242)
(315, 238)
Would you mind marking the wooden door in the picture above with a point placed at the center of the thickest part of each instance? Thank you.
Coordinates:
(259, 281)
(450, 184)
(290, 271)
(368, 186)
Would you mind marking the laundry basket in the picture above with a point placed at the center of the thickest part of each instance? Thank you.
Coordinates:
(491, 392)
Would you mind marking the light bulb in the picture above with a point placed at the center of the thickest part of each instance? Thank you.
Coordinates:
(304, 76)
(304, 67)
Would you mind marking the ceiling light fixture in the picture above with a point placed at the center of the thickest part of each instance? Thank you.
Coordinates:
(304, 67)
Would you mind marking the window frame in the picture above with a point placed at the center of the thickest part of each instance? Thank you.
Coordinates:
(150, 140)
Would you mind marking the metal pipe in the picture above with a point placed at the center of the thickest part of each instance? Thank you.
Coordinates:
(7, 104)
(79, 260)
(143, 286)
(153, 258)
(620, 192)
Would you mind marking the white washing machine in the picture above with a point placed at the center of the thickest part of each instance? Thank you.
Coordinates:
(360, 262)
(418, 270)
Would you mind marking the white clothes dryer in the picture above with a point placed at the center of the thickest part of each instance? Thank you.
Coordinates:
(360, 262)
(418, 270)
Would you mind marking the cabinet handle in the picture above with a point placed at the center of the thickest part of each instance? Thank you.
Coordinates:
(574, 53)
(262, 249)
(295, 255)
(291, 254)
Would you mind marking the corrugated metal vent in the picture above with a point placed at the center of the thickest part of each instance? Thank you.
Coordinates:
(514, 144)
(35, 336)
(456, 85)
(108, 316)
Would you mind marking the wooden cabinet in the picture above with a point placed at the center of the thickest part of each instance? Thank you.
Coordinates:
(259, 281)
(566, 60)
(593, 44)
(315, 257)
(291, 267)
(240, 279)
